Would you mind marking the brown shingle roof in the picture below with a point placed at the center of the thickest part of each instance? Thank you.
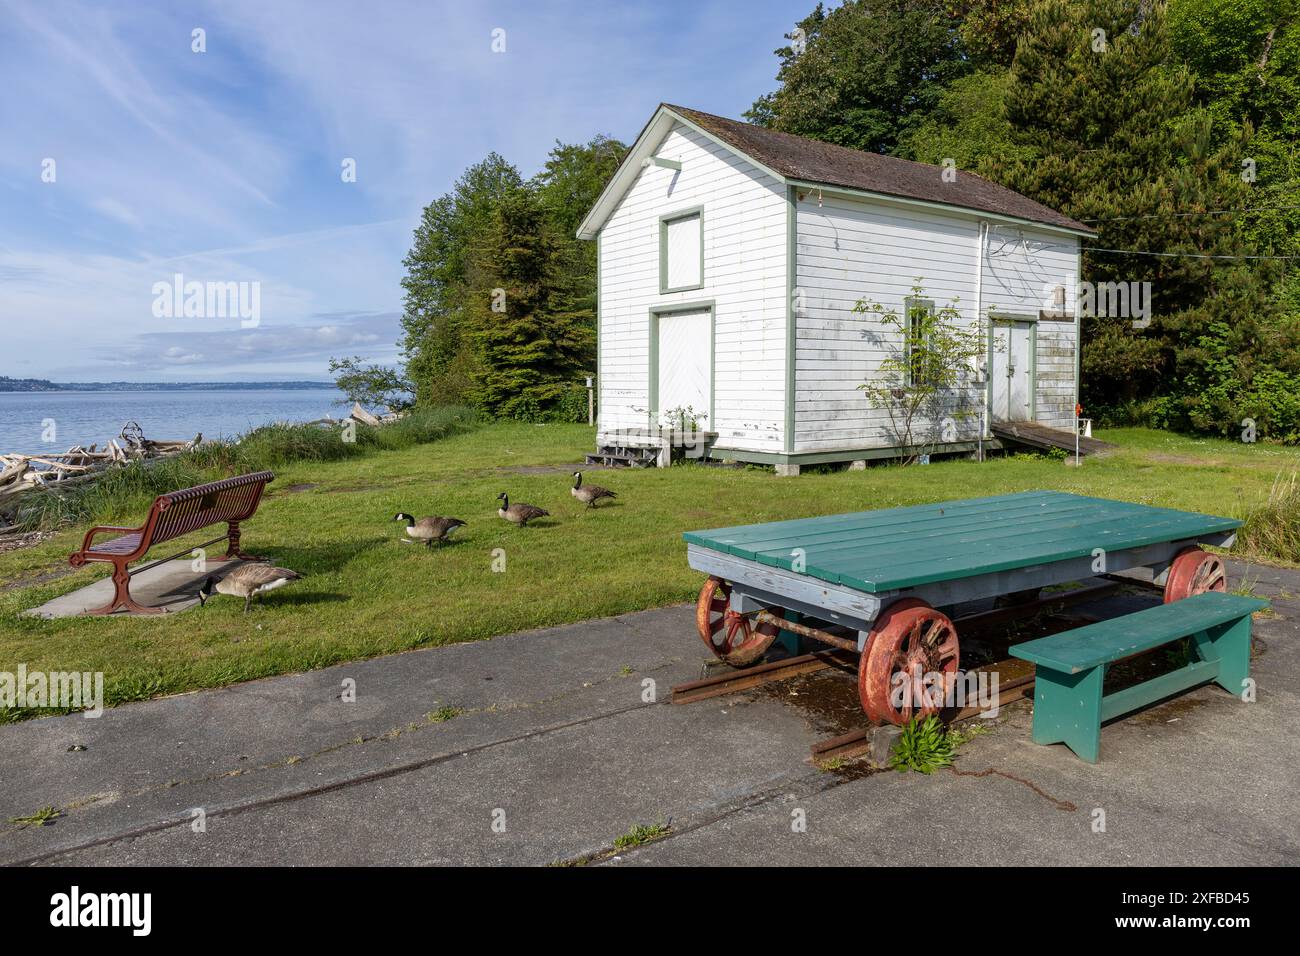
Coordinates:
(810, 160)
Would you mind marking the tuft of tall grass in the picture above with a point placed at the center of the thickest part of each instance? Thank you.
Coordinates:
(112, 493)
(1272, 530)
(420, 428)
(120, 491)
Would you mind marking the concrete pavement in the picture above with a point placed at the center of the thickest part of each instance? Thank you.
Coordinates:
(547, 746)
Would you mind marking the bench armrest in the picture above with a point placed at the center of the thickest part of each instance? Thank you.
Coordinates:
(90, 535)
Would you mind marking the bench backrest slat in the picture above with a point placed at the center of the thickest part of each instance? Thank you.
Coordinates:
(1086, 647)
(179, 512)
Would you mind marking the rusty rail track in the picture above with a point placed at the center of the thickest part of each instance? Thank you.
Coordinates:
(1015, 677)
(733, 680)
(857, 742)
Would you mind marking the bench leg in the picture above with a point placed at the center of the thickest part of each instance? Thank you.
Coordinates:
(232, 549)
(122, 600)
(1229, 644)
(1067, 709)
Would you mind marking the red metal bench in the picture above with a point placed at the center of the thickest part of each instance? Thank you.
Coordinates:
(173, 515)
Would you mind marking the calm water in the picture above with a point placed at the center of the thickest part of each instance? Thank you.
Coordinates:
(84, 418)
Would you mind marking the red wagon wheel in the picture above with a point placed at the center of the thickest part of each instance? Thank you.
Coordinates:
(1194, 572)
(909, 644)
(732, 637)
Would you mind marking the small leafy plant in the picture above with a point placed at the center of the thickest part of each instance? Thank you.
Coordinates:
(925, 746)
(684, 418)
(640, 835)
(42, 817)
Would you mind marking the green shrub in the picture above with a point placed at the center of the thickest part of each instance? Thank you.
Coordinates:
(572, 406)
(269, 446)
(419, 427)
(1273, 403)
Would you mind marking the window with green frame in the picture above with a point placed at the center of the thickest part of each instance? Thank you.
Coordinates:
(681, 251)
(919, 340)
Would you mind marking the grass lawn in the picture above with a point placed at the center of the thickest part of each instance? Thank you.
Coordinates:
(367, 594)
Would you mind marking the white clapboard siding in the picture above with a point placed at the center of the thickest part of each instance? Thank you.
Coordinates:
(1022, 267)
(859, 249)
(852, 250)
(745, 238)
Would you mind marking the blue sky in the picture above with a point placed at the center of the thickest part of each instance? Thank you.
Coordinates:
(225, 166)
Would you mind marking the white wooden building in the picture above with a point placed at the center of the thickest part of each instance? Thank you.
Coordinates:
(730, 261)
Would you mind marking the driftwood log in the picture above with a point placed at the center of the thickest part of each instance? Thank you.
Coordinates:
(20, 474)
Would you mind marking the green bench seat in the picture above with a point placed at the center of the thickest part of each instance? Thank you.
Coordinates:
(1069, 706)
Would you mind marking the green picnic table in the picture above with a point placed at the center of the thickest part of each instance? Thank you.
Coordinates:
(886, 573)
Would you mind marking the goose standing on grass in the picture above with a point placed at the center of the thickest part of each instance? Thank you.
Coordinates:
(520, 514)
(247, 581)
(588, 494)
(430, 529)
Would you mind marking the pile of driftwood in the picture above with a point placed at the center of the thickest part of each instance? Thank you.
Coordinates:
(24, 473)
(359, 414)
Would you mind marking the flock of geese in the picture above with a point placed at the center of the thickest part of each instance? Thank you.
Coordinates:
(250, 580)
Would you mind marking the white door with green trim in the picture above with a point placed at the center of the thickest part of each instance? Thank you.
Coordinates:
(685, 364)
(1011, 371)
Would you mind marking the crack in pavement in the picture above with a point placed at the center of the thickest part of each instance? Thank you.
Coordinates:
(391, 734)
(1064, 805)
(371, 777)
(751, 801)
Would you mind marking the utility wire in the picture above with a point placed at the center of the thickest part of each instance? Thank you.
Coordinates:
(1186, 255)
(1183, 215)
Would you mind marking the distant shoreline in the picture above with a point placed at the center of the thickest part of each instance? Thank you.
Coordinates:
(43, 385)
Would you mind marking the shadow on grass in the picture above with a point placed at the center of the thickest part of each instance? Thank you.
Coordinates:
(286, 598)
(320, 559)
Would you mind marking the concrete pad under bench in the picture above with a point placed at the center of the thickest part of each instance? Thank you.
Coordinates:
(174, 586)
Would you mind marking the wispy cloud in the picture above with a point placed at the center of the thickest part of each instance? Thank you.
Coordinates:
(225, 165)
(299, 347)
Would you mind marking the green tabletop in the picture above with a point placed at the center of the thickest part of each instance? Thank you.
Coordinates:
(895, 548)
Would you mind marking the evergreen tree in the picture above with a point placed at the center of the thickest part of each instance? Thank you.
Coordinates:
(1116, 138)
(457, 349)
(863, 74)
(534, 336)
(440, 358)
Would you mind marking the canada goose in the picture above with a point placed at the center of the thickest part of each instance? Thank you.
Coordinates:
(430, 529)
(519, 514)
(588, 494)
(246, 581)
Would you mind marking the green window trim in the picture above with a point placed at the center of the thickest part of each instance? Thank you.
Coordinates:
(664, 221)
